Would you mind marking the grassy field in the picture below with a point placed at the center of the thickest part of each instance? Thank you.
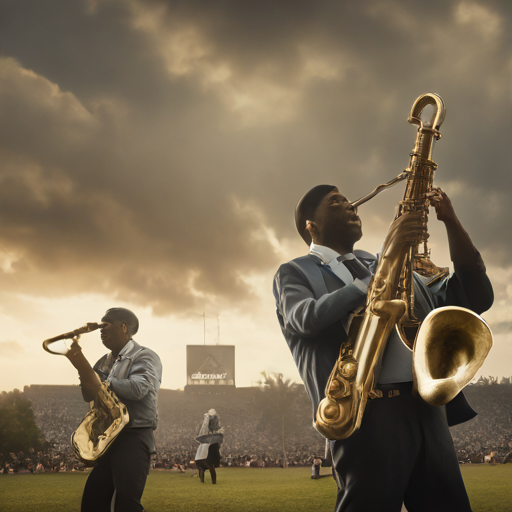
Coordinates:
(238, 489)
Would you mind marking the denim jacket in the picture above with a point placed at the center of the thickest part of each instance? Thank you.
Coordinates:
(135, 379)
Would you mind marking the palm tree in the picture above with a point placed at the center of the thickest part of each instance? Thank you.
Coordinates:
(279, 397)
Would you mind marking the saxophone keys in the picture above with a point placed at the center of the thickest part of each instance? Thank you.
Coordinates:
(331, 412)
(348, 369)
(339, 389)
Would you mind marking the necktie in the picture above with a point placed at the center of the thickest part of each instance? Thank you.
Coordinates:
(357, 269)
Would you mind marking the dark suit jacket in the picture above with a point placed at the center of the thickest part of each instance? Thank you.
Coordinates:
(314, 306)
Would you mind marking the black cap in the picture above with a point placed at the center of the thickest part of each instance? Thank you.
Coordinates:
(123, 315)
(306, 207)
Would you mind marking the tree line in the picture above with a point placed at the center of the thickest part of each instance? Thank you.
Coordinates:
(18, 429)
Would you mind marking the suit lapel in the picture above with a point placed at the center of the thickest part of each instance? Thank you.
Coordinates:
(331, 280)
(321, 278)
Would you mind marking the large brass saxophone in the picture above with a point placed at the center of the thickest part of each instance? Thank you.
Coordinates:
(107, 415)
(390, 304)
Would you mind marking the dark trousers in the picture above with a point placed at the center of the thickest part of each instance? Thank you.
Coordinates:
(123, 469)
(210, 463)
(202, 466)
(403, 452)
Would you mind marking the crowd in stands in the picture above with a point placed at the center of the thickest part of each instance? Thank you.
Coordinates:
(489, 435)
(57, 412)
(48, 461)
(51, 461)
(248, 441)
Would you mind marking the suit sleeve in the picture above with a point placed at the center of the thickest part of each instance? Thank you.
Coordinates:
(145, 374)
(476, 285)
(470, 273)
(300, 312)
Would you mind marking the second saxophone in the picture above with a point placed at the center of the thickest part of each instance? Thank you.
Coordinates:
(390, 305)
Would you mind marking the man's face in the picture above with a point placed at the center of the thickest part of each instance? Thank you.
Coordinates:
(336, 218)
(114, 334)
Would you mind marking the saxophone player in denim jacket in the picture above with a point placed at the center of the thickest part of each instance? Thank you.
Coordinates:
(134, 373)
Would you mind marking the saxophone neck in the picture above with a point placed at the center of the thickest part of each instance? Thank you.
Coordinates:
(434, 124)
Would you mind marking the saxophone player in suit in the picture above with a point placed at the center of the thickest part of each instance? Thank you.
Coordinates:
(403, 452)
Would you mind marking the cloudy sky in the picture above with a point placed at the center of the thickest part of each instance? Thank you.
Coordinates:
(152, 153)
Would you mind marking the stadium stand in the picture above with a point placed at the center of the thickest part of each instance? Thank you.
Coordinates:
(249, 439)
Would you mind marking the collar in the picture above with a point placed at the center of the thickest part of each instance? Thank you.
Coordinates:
(126, 349)
(326, 254)
(122, 354)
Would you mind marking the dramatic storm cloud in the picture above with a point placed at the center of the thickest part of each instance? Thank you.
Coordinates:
(152, 152)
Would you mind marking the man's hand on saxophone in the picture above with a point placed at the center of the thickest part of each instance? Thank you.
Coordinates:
(404, 231)
(89, 380)
(443, 205)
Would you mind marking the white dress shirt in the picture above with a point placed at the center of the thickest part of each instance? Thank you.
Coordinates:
(397, 359)
(330, 257)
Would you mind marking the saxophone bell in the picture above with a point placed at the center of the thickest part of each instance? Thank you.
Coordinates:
(451, 346)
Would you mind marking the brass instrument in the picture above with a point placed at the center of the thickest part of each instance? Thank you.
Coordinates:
(63, 348)
(439, 374)
(416, 199)
(107, 415)
(100, 426)
(451, 346)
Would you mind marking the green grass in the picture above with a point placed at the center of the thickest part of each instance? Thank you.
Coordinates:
(489, 487)
(238, 489)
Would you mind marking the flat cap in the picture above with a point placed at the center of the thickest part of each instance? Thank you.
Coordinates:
(124, 316)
